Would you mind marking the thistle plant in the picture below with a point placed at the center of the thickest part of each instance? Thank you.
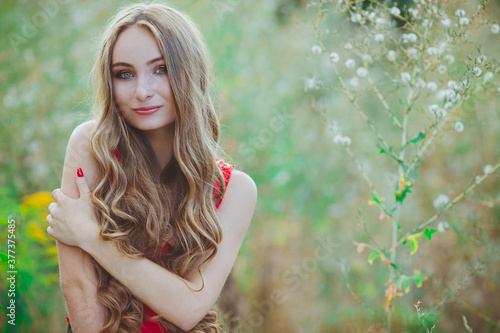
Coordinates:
(421, 63)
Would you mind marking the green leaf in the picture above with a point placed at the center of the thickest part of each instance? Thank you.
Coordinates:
(419, 278)
(406, 286)
(428, 233)
(374, 255)
(375, 198)
(419, 137)
(383, 151)
(3, 257)
(414, 245)
(404, 280)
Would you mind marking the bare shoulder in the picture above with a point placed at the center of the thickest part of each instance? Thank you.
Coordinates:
(83, 133)
(242, 184)
(79, 155)
(240, 199)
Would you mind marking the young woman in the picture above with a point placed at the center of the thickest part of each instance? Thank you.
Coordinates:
(149, 219)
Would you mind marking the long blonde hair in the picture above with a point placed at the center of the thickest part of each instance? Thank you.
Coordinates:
(136, 208)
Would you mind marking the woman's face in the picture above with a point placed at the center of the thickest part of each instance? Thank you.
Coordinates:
(140, 84)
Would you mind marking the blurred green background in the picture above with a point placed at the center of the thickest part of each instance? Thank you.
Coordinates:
(312, 202)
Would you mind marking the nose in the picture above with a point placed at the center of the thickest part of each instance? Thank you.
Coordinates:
(145, 87)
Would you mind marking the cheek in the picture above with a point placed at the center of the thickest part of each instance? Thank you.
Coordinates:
(121, 92)
(166, 90)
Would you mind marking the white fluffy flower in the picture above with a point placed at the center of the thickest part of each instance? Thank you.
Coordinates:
(316, 49)
(339, 139)
(442, 68)
(481, 59)
(441, 113)
(494, 29)
(443, 226)
(477, 71)
(405, 77)
(464, 21)
(411, 37)
(420, 83)
(432, 51)
(434, 108)
(414, 12)
(452, 84)
(346, 140)
(379, 38)
(487, 169)
(395, 11)
(391, 55)
(437, 111)
(350, 63)
(448, 105)
(498, 89)
(380, 20)
(440, 201)
(449, 58)
(459, 126)
(488, 76)
(432, 86)
(460, 12)
(367, 57)
(446, 21)
(361, 72)
(443, 46)
(371, 16)
(412, 52)
(354, 82)
(446, 93)
(356, 18)
(311, 83)
(334, 57)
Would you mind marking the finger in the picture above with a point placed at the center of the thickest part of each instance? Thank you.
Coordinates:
(49, 231)
(81, 182)
(56, 194)
(52, 206)
(49, 219)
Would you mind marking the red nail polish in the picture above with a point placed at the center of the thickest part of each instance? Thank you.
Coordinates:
(79, 172)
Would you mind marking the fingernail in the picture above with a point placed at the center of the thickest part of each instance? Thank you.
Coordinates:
(79, 172)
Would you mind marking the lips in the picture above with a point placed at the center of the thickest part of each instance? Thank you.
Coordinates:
(148, 109)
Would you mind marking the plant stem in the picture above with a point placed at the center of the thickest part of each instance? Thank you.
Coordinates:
(397, 214)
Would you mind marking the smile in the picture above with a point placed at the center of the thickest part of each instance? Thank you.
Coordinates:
(147, 110)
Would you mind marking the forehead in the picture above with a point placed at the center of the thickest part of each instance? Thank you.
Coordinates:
(135, 45)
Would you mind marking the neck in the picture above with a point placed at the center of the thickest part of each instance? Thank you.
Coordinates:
(162, 141)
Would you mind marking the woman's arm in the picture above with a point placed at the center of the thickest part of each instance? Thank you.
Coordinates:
(77, 277)
(166, 293)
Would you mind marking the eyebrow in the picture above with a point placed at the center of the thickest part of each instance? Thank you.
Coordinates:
(129, 65)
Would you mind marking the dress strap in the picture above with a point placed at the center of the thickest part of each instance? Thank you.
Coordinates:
(226, 169)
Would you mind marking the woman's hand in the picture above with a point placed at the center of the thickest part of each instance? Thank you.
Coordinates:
(72, 221)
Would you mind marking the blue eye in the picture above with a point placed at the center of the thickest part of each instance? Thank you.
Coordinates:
(163, 70)
(120, 75)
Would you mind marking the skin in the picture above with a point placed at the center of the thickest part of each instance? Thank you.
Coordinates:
(143, 85)
(73, 224)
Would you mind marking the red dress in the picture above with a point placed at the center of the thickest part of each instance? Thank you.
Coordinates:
(152, 327)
